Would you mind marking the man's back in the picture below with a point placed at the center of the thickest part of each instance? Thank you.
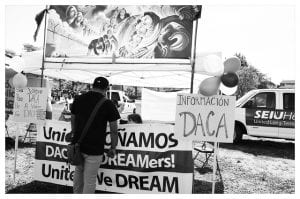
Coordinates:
(83, 106)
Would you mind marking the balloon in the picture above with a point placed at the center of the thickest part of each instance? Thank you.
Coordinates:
(209, 86)
(19, 80)
(228, 91)
(9, 72)
(232, 64)
(230, 79)
(10, 81)
(212, 64)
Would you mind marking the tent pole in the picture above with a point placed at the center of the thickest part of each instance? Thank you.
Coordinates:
(193, 57)
(44, 48)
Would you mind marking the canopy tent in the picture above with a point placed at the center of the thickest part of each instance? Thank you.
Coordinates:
(13, 64)
(161, 41)
(168, 79)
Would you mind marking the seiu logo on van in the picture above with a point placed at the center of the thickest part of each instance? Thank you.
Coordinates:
(270, 118)
(274, 115)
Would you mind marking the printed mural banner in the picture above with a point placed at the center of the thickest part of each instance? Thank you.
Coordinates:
(135, 32)
(149, 160)
(201, 118)
(270, 118)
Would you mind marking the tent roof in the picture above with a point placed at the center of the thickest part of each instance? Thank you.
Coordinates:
(143, 75)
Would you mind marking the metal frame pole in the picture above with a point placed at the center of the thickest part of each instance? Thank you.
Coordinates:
(194, 56)
(44, 47)
(192, 83)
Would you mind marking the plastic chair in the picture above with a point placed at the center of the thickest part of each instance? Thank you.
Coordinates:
(31, 129)
(6, 130)
(207, 150)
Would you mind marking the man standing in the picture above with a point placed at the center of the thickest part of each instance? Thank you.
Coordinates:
(92, 145)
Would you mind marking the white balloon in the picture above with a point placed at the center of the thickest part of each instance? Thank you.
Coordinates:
(19, 80)
(212, 64)
(228, 91)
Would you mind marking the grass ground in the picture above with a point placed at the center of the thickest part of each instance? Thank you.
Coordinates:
(255, 166)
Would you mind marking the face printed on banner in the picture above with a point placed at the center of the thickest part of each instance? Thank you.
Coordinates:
(72, 12)
(122, 13)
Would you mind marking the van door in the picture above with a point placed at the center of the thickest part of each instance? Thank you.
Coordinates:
(287, 126)
(260, 110)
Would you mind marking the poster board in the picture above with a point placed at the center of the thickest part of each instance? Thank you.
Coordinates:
(30, 104)
(201, 118)
(149, 160)
(9, 98)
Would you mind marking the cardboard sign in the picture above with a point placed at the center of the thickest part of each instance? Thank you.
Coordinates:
(149, 160)
(30, 104)
(200, 118)
(270, 118)
(9, 98)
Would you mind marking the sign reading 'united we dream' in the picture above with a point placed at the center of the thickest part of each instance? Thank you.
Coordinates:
(149, 160)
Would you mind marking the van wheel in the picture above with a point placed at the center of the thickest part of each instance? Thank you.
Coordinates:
(238, 134)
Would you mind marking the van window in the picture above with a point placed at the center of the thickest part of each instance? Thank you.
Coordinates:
(289, 101)
(114, 96)
(263, 100)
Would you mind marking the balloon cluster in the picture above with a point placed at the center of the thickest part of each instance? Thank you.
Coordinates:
(18, 81)
(227, 81)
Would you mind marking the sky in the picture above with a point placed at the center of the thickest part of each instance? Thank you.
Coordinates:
(264, 34)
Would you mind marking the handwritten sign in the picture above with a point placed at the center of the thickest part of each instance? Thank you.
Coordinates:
(9, 98)
(30, 104)
(200, 118)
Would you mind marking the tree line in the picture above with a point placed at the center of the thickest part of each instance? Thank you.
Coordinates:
(251, 78)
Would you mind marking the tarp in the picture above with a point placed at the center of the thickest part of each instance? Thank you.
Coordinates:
(12, 65)
(159, 106)
(87, 72)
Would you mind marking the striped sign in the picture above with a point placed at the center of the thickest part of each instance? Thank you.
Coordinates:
(149, 160)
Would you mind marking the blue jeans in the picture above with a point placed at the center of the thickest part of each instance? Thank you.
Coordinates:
(85, 175)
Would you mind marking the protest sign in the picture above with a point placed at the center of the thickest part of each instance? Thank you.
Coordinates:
(149, 160)
(9, 98)
(30, 104)
(200, 118)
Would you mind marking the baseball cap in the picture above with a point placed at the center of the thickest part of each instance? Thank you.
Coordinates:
(101, 83)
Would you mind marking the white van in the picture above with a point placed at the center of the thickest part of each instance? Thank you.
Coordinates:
(122, 100)
(266, 113)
